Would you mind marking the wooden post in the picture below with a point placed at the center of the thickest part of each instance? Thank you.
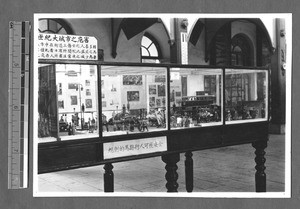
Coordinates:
(108, 178)
(171, 176)
(189, 175)
(260, 175)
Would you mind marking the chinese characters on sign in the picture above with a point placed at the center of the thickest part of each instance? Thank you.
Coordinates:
(134, 147)
(55, 46)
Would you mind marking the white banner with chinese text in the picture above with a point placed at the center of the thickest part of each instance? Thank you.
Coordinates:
(134, 147)
(56, 46)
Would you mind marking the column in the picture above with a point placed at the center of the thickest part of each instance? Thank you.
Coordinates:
(108, 178)
(189, 175)
(260, 175)
(171, 161)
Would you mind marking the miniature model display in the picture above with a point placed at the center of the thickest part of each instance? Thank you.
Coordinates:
(245, 95)
(139, 102)
(195, 105)
(67, 113)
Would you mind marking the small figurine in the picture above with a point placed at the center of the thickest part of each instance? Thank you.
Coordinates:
(143, 126)
(185, 120)
(228, 116)
(70, 129)
(235, 115)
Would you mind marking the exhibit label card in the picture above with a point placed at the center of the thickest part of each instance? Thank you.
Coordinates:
(134, 147)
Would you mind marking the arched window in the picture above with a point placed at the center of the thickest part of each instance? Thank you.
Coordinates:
(241, 51)
(56, 26)
(237, 85)
(150, 51)
(237, 56)
(242, 54)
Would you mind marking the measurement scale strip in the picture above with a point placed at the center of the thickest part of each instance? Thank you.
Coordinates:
(19, 47)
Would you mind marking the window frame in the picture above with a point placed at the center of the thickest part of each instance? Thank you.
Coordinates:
(156, 44)
(63, 25)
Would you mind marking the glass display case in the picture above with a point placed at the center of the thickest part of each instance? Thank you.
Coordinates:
(195, 101)
(134, 99)
(67, 102)
(246, 95)
(148, 98)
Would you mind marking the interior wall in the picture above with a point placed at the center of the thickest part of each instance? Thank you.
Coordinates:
(197, 52)
(99, 28)
(127, 50)
(194, 84)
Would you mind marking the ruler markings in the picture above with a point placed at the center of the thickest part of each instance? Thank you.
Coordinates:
(23, 79)
(22, 95)
(23, 29)
(23, 60)
(19, 34)
(21, 146)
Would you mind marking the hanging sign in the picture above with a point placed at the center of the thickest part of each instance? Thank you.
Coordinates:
(184, 49)
(57, 46)
(134, 147)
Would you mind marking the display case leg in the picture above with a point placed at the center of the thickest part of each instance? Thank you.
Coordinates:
(260, 175)
(108, 178)
(189, 175)
(171, 176)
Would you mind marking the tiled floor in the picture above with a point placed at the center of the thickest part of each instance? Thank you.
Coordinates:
(228, 169)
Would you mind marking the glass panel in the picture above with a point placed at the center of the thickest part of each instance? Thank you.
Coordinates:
(245, 95)
(67, 102)
(145, 52)
(43, 25)
(133, 99)
(146, 41)
(153, 51)
(195, 97)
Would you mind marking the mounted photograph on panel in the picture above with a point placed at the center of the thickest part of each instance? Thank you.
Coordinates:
(72, 86)
(88, 103)
(152, 101)
(160, 79)
(152, 89)
(161, 90)
(129, 105)
(61, 104)
(133, 96)
(73, 100)
(132, 80)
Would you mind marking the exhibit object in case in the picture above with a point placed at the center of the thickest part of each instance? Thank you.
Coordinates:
(138, 103)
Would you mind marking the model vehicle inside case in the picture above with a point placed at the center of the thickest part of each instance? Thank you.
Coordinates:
(195, 97)
(134, 99)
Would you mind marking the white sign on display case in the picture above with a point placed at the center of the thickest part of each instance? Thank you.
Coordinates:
(134, 147)
(56, 46)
